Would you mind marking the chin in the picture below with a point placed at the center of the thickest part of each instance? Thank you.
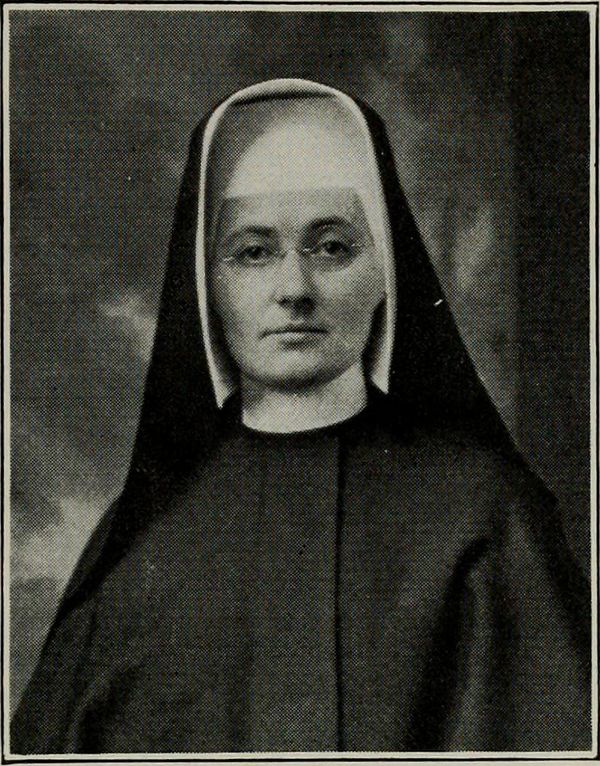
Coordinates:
(292, 380)
(296, 376)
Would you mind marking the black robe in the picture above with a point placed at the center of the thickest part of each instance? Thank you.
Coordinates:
(399, 582)
(347, 589)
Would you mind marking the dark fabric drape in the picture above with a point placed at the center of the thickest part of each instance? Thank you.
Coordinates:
(356, 589)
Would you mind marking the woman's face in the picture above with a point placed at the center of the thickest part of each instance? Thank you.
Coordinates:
(295, 280)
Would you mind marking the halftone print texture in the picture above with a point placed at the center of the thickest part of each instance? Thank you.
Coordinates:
(488, 118)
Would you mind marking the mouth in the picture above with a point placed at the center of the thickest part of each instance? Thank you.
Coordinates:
(296, 330)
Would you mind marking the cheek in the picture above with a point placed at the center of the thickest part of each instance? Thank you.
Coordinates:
(355, 295)
(236, 301)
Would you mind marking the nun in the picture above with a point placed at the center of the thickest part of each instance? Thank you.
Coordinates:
(327, 540)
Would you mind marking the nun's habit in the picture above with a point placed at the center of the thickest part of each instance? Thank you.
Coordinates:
(394, 582)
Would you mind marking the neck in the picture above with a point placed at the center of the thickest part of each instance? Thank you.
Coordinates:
(303, 409)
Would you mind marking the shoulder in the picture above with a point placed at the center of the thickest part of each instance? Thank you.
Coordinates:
(133, 541)
(453, 475)
(470, 461)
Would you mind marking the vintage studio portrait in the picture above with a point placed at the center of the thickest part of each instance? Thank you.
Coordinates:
(300, 400)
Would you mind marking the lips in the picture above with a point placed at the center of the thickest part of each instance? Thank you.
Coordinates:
(296, 330)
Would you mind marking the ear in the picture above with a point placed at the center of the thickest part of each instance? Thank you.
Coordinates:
(379, 279)
(216, 322)
(209, 281)
(377, 324)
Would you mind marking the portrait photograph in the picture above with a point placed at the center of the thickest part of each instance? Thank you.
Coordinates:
(300, 364)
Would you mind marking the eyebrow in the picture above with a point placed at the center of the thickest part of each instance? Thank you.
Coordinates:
(332, 221)
(262, 231)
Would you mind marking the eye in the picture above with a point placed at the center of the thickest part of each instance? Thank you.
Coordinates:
(334, 247)
(331, 251)
(251, 255)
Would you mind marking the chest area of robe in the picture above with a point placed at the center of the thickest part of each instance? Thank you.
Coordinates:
(283, 605)
(237, 638)
(358, 594)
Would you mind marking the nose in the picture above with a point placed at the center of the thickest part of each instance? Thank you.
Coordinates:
(293, 283)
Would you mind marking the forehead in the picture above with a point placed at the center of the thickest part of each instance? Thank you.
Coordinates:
(293, 209)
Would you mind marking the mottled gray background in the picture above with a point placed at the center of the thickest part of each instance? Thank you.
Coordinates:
(488, 116)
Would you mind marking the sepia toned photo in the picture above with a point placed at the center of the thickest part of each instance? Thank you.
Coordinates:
(299, 415)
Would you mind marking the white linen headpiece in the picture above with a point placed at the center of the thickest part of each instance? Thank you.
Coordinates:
(284, 135)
